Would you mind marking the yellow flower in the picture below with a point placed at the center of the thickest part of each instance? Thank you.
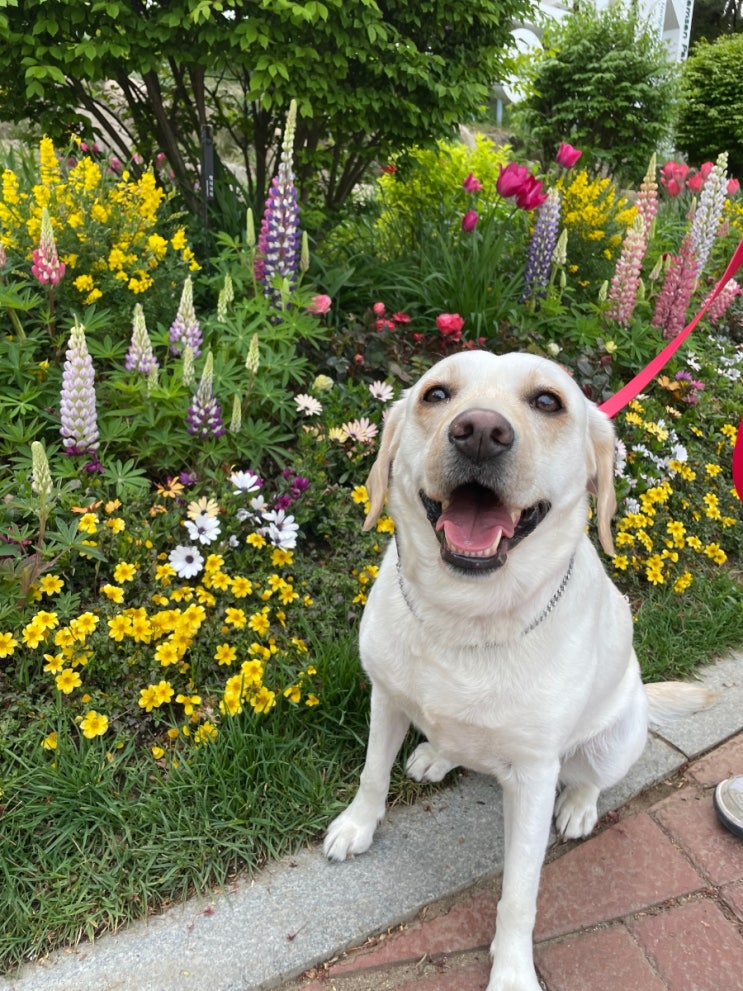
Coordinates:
(259, 622)
(115, 524)
(312, 700)
(8, 643)
(50, 741)
(167, 653)
(255, 540)
(164, 572)
(263, 700)
(157, 752)
(241, 587)
(83, 625)
(46, 620)
(54, 663)
(188, 702)
(113, 592)
(235, 617)
(715, 553)
(93, 724)
(683, 582)
(280, 557)
(385, 525)
(206, 733)
(88, 523)
(124, 572)
(293, 693)
(225, 653)
(32, 634)
(359, 494)
(68, 680)
(119, 627)
(621, 561)
(50, 584)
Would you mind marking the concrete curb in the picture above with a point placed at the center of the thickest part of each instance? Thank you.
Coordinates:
(304, 910)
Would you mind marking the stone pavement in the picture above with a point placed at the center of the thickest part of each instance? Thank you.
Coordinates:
(652, 902)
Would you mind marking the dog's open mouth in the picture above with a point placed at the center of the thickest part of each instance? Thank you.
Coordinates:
(476, 530)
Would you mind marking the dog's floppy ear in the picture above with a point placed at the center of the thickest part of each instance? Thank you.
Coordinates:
(601, 472)
(379, 476)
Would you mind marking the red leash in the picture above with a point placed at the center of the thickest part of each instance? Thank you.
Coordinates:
(635, 386)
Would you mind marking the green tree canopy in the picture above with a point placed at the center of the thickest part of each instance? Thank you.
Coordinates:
(605, 83)
(370, 77)
(711, 118)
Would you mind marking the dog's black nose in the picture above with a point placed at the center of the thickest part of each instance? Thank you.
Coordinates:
(481, 434)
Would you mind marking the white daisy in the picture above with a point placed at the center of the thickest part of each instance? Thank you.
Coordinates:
(382, 391)
(203, 528)
(361, 430)
(246, 481)
(186, 561)
(282, 531)
(308, 405)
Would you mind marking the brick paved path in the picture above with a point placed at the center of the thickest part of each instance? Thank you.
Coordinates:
(653, 902)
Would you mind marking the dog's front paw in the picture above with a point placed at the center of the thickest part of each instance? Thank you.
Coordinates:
(424, 764)
(508, 979)
(349, 834)
(575, 811)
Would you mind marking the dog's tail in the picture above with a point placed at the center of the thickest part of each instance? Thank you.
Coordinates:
(670, 700)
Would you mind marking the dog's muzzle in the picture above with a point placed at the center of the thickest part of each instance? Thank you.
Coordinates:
(476, 530)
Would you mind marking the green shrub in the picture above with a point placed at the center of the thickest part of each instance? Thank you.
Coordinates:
(605, 83)
(711, 114)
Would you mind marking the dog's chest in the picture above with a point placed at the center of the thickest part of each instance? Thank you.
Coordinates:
(482, 711)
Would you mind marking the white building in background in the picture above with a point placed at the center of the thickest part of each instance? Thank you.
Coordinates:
(672, 19)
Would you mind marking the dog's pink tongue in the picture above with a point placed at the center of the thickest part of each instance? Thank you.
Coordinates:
(473, 524)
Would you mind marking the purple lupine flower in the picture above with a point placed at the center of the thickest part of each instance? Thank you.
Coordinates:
(79, 425)
(542, 247)
(706, 222)
(47, 267)
(678, 288)
(277, 256)
(140, 357)
(185, 331)
(625, 282)
(204, 417)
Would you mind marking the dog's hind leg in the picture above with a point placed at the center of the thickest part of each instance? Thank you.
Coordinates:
(353, 830)
(595, 765)
(426, 764)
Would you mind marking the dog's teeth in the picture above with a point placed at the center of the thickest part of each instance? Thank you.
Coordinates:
(488, 552)
(515, 515)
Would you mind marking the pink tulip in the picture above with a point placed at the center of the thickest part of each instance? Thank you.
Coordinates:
(531, 195)
(450, 325)
(733, 186)
(567, 155)
(705, 168)
(695, 183)
(320, 304)
(511, 179)
(471, 184)
(469, 221)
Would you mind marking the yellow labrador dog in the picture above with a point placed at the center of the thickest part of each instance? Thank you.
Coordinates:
(493, 626)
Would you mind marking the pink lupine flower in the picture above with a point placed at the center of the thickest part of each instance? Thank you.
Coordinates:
(47, 267)
(626, 280)
(678, 288)
(719, 306)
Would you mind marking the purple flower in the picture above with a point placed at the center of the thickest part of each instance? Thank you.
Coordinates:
(542, 246)
(204, 417)
(277, 257)
(79, 425)
(140, 357)
(185, 331)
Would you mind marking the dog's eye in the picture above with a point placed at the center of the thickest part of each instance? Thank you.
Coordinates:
(436, 394)
(547, 402)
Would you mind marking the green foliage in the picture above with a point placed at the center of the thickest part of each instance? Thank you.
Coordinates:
(606, 84)
(711, 115)
(369, 78)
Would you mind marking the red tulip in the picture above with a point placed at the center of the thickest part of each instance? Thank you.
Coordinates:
(567, 155)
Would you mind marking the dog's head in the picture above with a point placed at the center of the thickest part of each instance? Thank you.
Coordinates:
(491, 448)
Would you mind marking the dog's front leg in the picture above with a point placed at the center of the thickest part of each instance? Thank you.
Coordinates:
(528, 799)
(353, 830)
